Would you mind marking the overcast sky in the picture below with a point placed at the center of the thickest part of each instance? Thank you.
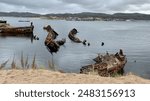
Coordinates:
(75, 6)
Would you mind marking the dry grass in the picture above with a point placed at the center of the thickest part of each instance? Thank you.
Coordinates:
(13, 64)
(51, 66)
(3, 64)
(22, 60)
(24, 63)
(33, 63)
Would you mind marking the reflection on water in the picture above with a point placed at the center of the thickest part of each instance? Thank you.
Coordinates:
(132, 37)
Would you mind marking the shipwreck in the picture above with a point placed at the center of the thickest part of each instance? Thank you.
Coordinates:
(72, 36)
(3, 21)
(7, 30)
(52, 45)
(51, 32)
(106, 65)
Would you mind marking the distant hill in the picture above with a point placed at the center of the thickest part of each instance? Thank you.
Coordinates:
(19, 14)
(84, 14)
(135, 16)
(121, 16)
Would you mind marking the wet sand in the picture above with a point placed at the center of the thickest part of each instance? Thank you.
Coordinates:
(41, 76)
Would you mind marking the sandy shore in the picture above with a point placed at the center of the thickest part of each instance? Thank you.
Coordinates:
(48, 77)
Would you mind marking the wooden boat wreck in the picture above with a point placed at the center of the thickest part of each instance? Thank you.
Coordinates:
(52, 45)
(72, 36)
(53, 34)
(7, 30)
(3, 21)
(106, 65)
(61, 42)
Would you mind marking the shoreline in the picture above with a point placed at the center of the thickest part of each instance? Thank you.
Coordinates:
(42, 76)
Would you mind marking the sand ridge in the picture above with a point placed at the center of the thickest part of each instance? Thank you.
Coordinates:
(41, 76)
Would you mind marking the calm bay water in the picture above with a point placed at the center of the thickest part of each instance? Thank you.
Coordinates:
(132, 37)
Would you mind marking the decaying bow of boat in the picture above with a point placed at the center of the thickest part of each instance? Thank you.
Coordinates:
(51, 32)
(72, 36)
(106, 65)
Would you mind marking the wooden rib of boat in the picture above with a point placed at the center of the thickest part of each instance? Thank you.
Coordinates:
(106, 65)
(72, 36)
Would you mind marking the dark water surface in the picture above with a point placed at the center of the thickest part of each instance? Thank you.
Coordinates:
(132, 36)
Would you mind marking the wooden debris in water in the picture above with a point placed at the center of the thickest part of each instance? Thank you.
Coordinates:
(106, 65)
(72, 36)
(52, 45)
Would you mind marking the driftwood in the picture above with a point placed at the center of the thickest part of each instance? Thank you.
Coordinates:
(106, 65)
(72, 36)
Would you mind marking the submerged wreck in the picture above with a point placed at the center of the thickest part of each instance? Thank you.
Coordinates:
(106, 65)
(7, 30)
(51, 32)
(52, 45)
(72, 36)
(61, 42)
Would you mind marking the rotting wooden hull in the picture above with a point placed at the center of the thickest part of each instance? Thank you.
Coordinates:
(61, 42)
(74, 39)
(72, 36)
(106, 65)
(3, 21)
(51, 32)
(17, 31)
(50, 43)
(52, 46)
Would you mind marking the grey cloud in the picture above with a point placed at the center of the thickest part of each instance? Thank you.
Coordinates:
(109, 5)
(73, 6)
(31, 3)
